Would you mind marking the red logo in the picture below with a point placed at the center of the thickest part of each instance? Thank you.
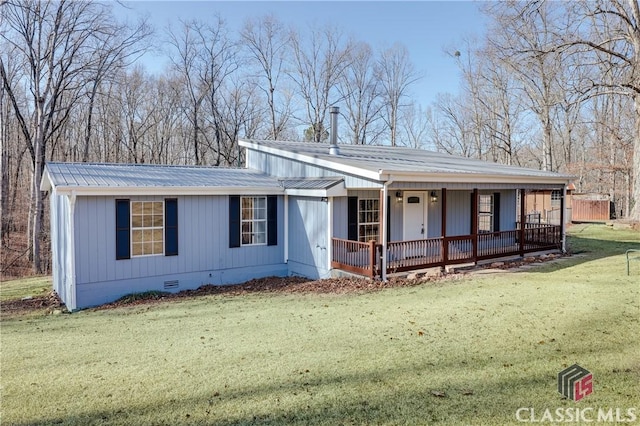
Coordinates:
(583, 387)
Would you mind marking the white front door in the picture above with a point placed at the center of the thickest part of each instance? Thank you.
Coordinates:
(415, 216)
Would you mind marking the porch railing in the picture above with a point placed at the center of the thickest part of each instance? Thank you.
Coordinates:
(355, 256)
(365, 258)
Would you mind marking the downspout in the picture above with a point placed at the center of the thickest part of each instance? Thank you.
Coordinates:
(329, 233)
(383, 219)
(563, 219)
(286, 228)
(71, 288)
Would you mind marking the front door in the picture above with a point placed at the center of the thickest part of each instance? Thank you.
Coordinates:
(415, 216)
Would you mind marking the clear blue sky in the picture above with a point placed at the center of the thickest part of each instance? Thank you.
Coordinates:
(426, 28)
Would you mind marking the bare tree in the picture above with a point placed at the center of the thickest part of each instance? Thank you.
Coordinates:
(55, 45)
(318, 65)
(360, 91)
(607, 32)
(268, 44)
(397, 74)
(524, 36)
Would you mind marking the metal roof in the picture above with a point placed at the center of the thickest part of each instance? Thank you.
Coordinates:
(374, 161)
(100, 176)
(311, 183)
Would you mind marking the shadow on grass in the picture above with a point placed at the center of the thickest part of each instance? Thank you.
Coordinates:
(592, 242)
(395, 395)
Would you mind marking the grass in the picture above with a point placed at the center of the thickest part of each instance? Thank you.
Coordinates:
(490, 344)
(16, 289)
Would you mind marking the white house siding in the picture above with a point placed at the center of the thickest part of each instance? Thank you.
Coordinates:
(308, 238)
(203, 246)
(285, 167)
(60, 248)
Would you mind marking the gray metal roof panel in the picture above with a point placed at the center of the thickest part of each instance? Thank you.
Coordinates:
(102, 175)
(400, 159)
(311, 183)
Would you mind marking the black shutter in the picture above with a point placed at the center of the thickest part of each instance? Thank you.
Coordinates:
(272, 220)
(471, 214)
(496, 212)
(171, 227)
(234, 221)
(123, 234)
(388, 218)
(352, 218)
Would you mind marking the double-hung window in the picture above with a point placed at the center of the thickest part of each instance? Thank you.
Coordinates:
(485, 213)
(146, 228)
(254, 220)
(556, 197)
(368, 219)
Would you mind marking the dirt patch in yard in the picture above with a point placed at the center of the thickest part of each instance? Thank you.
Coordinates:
(51, 304)
(48, 303)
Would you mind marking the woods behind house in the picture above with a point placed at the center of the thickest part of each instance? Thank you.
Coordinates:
(552, 85)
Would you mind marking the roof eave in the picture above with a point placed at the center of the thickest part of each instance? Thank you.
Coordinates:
(400, 176)
(120, 191)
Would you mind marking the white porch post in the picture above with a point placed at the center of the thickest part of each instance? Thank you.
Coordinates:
(286, 228)
(329, 232)
(383, 219)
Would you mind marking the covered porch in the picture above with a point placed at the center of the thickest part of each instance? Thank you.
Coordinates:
(485, 240)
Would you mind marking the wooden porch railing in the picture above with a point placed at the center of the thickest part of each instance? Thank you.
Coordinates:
(365, 258)
(355, 256)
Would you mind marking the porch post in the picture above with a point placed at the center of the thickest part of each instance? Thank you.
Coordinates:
(443, 232)
(474, 224)
(286, 228)
(329, 232)
(522, 220)
(562, 225)
(383, 237)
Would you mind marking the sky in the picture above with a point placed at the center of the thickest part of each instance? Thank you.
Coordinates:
(425, 28)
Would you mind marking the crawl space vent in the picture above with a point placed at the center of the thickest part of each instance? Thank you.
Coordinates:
(171, 284)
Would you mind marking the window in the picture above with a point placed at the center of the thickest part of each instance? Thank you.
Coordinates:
(254, 220)
(147, 228)
(485, 213)
(368, 219)
(556, 197)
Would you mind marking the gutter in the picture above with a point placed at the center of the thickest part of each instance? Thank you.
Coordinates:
(383, 217)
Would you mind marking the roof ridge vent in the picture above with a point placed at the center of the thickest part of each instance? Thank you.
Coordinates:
(333, 137)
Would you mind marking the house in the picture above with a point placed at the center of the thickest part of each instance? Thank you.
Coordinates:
(296, 209)
(543, 205)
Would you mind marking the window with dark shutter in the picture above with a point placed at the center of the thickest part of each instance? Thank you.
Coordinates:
(123, 236)
(171, 227)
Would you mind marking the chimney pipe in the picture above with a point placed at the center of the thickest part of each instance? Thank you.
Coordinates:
(333, 137)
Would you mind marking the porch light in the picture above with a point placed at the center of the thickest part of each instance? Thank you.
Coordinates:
(434, 197)
(398, 196)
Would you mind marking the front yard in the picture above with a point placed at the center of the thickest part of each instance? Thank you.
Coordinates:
(468, 351)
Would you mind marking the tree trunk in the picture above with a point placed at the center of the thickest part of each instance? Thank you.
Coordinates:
(36, 232)
(4, 174)
(635, 210)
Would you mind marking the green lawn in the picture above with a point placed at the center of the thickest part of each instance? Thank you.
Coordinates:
(16, 289)
(468, 351)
